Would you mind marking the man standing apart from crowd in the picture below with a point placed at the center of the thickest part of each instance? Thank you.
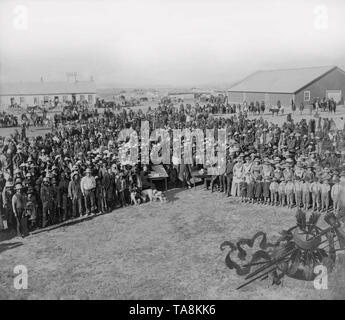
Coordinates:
(88, 186)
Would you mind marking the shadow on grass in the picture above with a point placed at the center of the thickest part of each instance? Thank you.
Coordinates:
(6, 235)
(171, 194)
(8, 246)
(69, 222)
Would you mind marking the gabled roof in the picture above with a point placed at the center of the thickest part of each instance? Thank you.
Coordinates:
(281, 81)
(47, 88)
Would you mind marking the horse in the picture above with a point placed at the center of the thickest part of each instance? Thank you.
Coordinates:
(274, 110)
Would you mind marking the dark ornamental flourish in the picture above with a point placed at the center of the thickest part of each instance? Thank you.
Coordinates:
(295, 254)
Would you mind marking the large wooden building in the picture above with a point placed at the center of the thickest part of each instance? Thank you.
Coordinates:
(41, 93)
(298, 85)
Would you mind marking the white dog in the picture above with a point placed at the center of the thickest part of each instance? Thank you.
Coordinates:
(153, 195)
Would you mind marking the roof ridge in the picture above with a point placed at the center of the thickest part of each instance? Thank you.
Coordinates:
(281, 80)
(302, 68)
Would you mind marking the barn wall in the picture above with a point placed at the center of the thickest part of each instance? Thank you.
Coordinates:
(284, 98)
(254, 96)
(269, 98)
(235, 97)
(334, 80)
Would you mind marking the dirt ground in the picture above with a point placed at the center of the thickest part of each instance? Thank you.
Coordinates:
(154, 251)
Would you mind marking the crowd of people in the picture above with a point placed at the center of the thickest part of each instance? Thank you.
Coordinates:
(259, 108)
(317, 105)
(305, 183)
(8, 120)
(75, 169)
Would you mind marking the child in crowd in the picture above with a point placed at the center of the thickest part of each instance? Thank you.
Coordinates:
(274, 192)
(298, 191)
(315, 188)
(289, 190)
(325, 189)
(251, 189)
(243, 189)
(335, 193)
(258, 189)
(306, 193)
(281, 192)
(266, 190)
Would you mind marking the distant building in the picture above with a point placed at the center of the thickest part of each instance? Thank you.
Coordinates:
(183, 95)
(41, 93)
(299, 85)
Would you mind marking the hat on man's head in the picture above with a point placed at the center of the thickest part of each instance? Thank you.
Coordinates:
(18, 180)
(74, 173)
(18, 186)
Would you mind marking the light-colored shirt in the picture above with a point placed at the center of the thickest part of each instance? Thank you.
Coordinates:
(289, 188)
(306, 187)
(87, 183)
(274, 186)
(315, 187)
(238, 170)
(335, 191)
(325, 188)
(281, 187)
(298, 186)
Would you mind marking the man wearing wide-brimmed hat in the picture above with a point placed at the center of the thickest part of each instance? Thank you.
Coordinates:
(32, 208)
(18, 207)
(88, 187)
(54, 192)
(62, 198)
(237, 176)
(267, 169)
(7, 194)
(45, 194)
(299, 170)
(288, 172)
(74, 193)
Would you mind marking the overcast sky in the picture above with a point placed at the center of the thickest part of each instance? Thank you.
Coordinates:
(166, 43)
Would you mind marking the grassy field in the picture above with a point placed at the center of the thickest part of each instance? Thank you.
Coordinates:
(154, 251)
